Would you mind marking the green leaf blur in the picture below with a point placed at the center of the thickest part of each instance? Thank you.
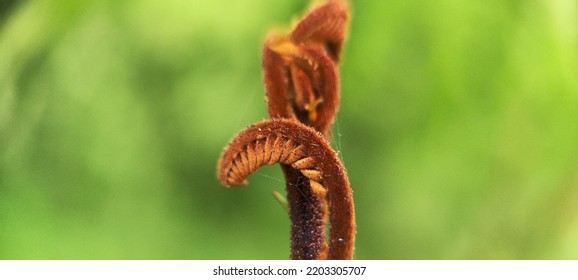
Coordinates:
(458, 127)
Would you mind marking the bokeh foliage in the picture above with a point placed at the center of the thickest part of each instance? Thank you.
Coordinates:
(458, 127)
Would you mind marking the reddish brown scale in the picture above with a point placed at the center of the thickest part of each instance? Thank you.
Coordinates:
(259, 147)
(243, 163)
(287, 150)
(303, 163)
(268, 149)
(251, 163)
(277, 150)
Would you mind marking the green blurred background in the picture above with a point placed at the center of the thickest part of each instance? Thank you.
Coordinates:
(458, 127)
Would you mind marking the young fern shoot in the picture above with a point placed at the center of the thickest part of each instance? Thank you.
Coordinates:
(302, 89)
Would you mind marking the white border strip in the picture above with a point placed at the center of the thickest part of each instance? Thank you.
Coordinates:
(446, 270)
